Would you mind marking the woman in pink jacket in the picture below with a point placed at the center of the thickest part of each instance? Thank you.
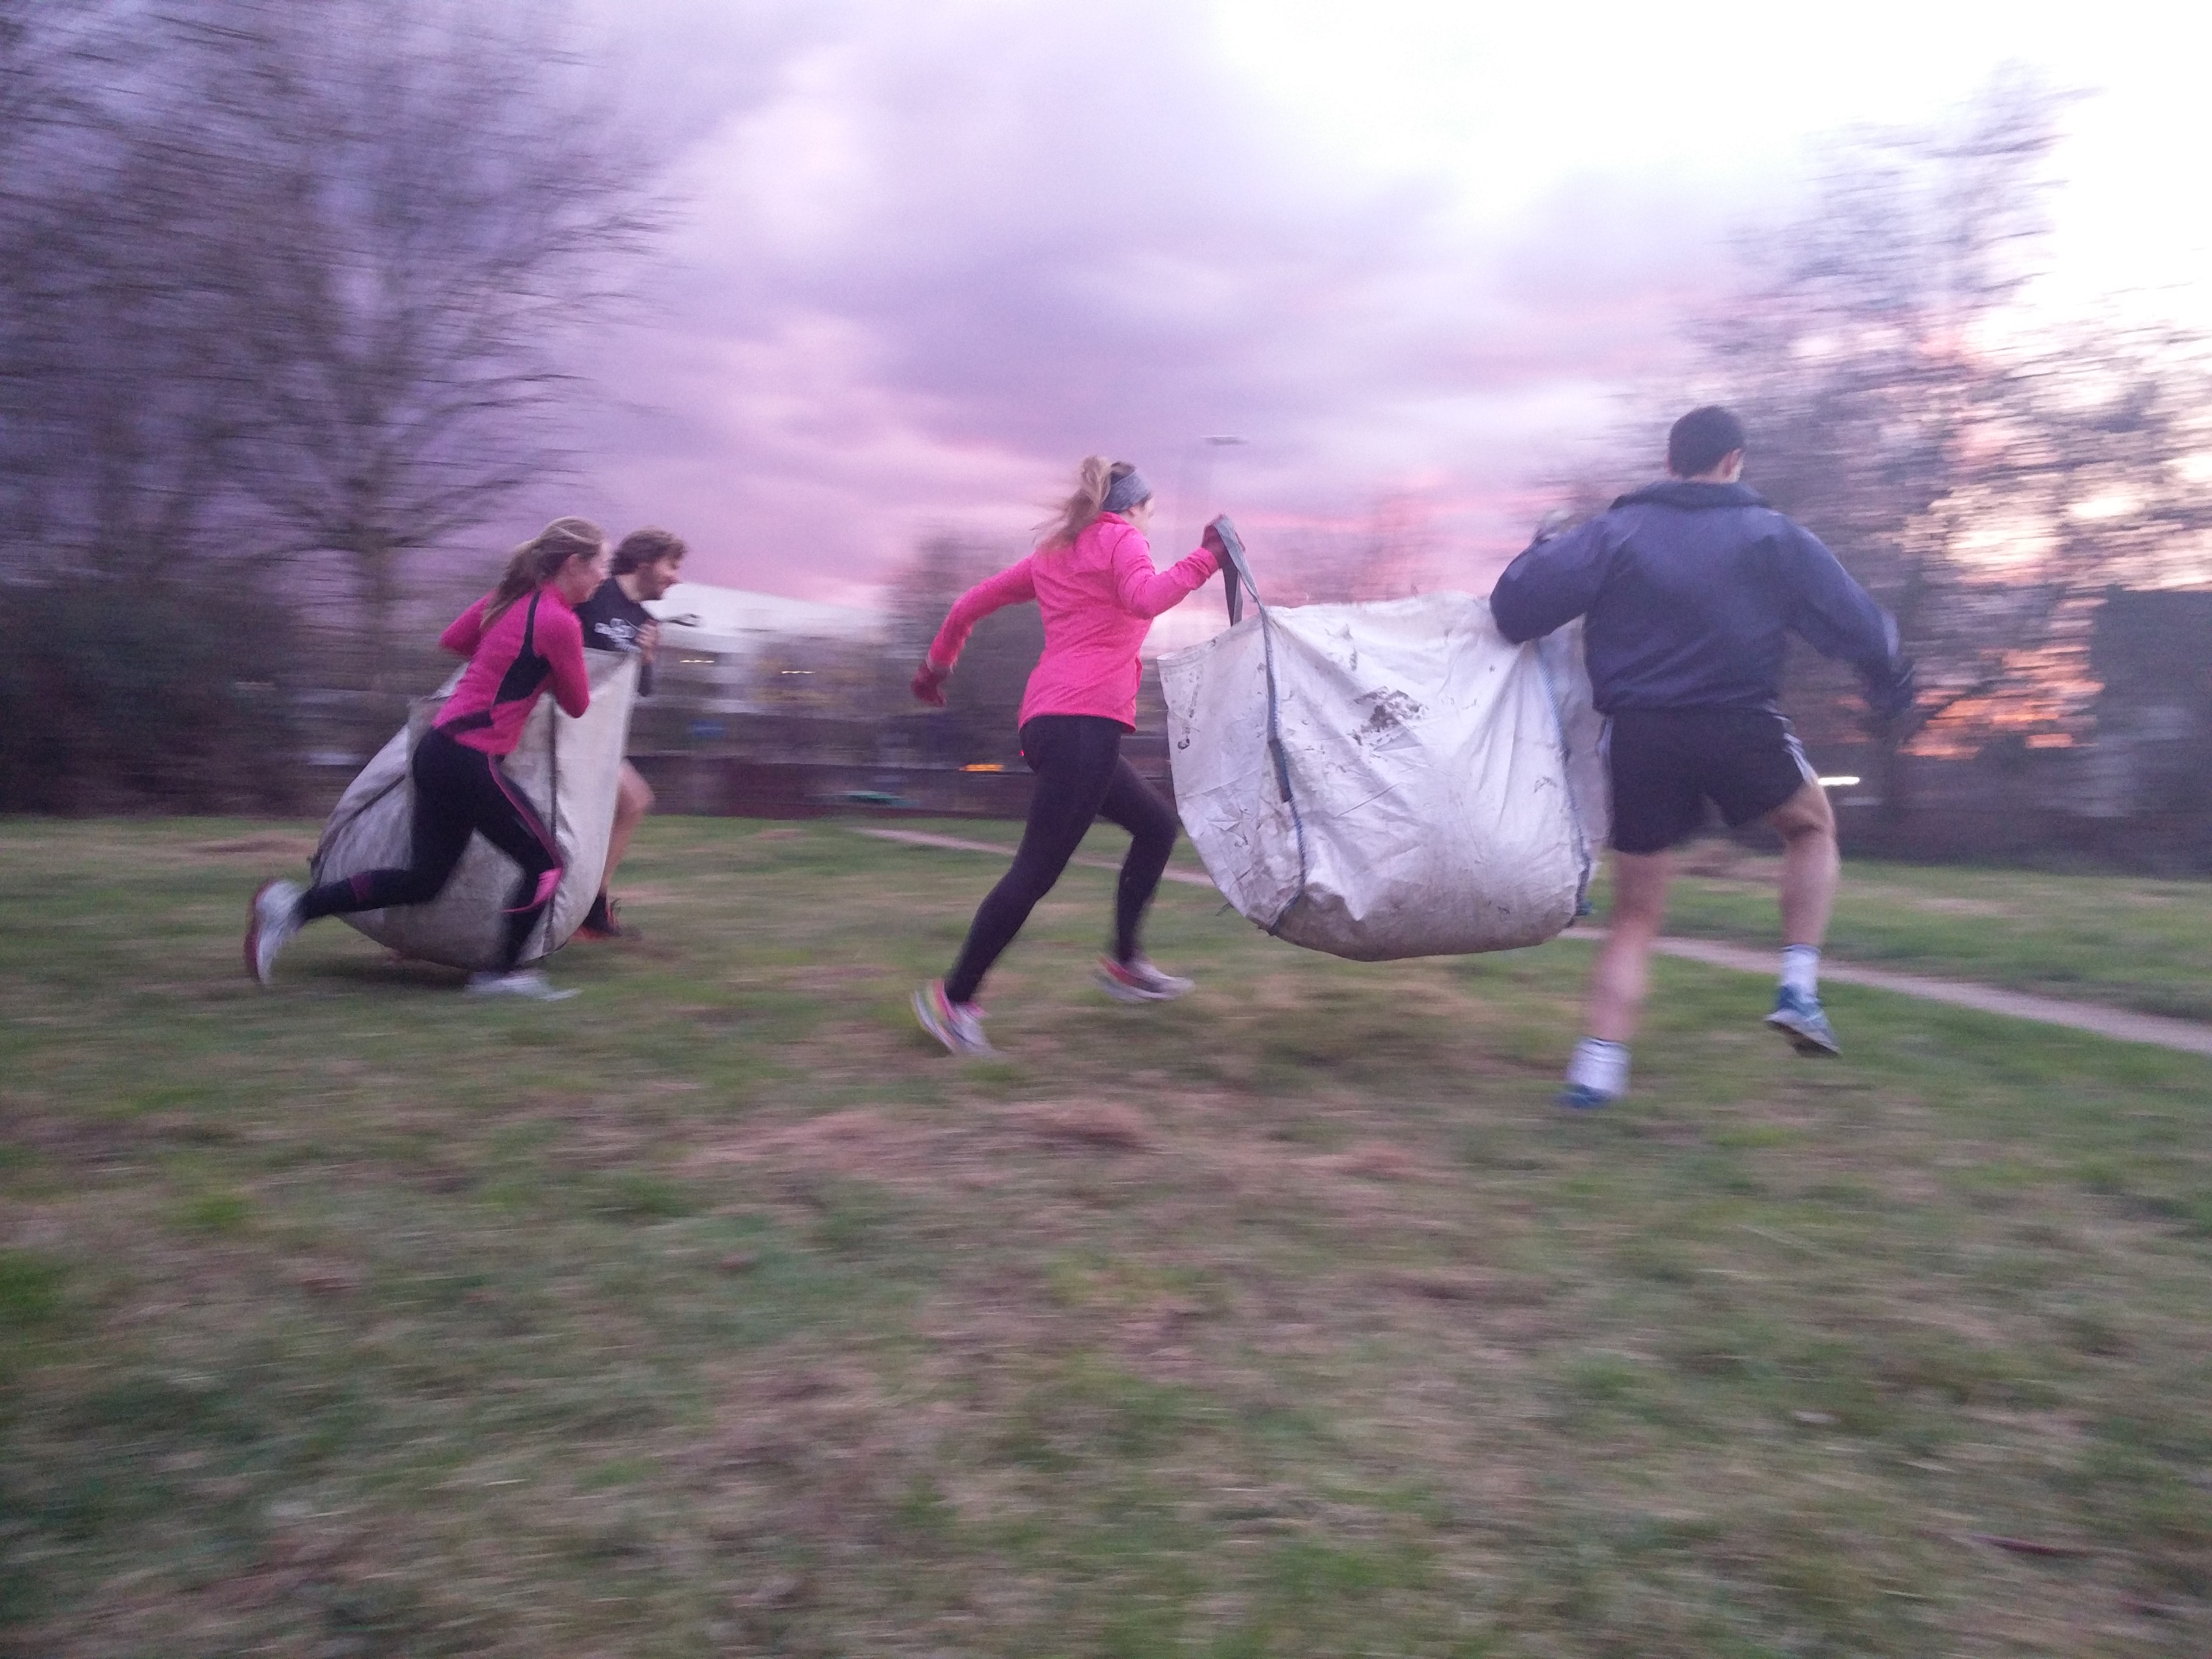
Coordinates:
(522, 640)
(1093, 577)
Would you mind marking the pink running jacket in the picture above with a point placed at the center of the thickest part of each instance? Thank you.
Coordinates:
(536, 644)
(1099, 599)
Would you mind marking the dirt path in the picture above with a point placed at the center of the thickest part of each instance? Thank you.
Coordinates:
(2121, 1023)
(2124, 1024)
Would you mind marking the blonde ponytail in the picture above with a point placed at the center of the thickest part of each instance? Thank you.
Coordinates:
(1093, 479)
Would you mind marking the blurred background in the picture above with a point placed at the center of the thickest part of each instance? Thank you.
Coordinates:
(309, 311)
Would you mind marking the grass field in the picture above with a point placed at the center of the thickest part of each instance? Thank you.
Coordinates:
(2129, 942)
(714, 1312)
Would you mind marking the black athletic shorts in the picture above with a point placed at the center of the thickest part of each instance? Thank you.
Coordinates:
(1665, 763)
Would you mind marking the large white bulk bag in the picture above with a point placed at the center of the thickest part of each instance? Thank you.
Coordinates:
(569, 769)
(1390, 780)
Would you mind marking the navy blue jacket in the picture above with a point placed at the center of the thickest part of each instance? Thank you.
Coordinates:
(1689, 590)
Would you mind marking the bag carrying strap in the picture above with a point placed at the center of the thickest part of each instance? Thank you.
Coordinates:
(1235, 569)
(1236, 578)
(1278, 753)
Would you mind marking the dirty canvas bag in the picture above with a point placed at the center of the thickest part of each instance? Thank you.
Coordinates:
(567, 769)
(1391, 779)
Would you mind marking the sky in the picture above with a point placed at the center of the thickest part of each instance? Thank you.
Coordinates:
(1322, 266)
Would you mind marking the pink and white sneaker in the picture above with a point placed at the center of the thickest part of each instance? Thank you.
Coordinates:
(957, 1025)
(1137, 981)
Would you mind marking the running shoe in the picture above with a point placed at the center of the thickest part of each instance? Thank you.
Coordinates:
(600, 920)
(1581, 1097)
(1799, 1018)
(1137, 981)
(957, 1025)
(272, 916)
(528, 983)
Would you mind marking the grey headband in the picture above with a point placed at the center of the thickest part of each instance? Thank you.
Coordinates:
(1126, 492)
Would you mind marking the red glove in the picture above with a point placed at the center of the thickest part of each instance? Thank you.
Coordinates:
(929, 683)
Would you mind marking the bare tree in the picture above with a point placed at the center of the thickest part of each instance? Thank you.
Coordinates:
(284, 285)
(54, 55)
(322, 263)
(1983, 474)
(446, 208)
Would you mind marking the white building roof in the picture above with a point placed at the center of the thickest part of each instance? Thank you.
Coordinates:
(710, 618)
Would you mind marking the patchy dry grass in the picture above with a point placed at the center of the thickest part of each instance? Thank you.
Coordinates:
(714, 1312)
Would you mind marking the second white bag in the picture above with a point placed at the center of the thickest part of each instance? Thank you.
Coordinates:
(567, 769)
(1390, 780)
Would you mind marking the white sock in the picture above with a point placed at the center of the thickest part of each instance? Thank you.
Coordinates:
(1600, 1066)
(1800, 969)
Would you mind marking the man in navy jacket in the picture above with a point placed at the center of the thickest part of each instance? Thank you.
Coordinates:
(1690, 589)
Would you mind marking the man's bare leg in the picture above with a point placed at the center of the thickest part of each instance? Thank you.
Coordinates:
(633, 800)
(1811, 868)
(1623, 969)
(1598, 1070)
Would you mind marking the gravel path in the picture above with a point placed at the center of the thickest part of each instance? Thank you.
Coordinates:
(2122, 1023)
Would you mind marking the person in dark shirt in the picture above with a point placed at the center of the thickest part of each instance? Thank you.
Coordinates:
(1690, 589)
(646, 564)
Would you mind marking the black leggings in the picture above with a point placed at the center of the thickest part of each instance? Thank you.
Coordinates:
(1080, 776)
(459, 791)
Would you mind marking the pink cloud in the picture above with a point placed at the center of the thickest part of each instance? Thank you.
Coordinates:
(934, 255)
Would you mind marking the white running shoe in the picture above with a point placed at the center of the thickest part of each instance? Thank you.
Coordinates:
(529, 983)
(272, 916)
(1800, 1019)
(1137, 981)
(957, 1025)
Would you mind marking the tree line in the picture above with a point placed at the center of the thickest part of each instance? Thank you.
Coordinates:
(286, 297)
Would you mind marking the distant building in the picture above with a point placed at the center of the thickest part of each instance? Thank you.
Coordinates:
(725, 652)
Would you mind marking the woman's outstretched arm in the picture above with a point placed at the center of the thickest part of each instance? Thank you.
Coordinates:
(1012, 586)
(1145, 591)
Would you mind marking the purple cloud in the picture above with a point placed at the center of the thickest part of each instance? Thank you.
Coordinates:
(931, 256)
